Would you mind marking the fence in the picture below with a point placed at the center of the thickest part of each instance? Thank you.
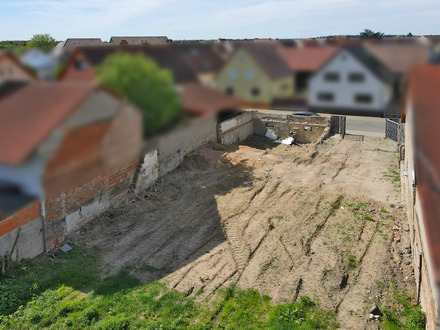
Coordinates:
(338, 124)
(392, 130)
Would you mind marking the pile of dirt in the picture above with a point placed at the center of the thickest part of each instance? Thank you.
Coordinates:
(286, 220)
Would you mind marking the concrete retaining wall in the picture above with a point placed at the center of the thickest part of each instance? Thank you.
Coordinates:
(236, 129)
(173, 147)
(306, 129)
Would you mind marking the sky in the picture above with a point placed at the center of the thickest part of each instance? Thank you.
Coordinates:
(205, 19)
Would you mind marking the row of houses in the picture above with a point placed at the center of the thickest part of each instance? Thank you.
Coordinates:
(356, 78)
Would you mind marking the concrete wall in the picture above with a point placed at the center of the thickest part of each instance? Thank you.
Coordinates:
(22, 233)
(236, 129)
(148, 173)
(172, 147)
(306, 129)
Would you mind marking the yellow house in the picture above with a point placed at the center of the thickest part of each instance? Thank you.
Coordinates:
(256, 74)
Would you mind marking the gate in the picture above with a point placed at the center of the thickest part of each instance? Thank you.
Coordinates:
(338, 124)
(392, 130)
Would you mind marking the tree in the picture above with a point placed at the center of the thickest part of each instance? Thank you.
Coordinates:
(369, 34)
(140, 80)
(409, 34)
(42, 41)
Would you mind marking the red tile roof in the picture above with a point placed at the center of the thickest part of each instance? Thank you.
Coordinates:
(399, 58)
(424, 84)
(308, 59)
(200, 100)
(28, 116)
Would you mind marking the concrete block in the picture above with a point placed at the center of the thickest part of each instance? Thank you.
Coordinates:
(87, 212)
(29, 240)
(148, 173)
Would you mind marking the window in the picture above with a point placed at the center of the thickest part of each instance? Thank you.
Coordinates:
(331, 76)
(206, 65)
(229, 90)
(326, 97)
(233, 74)
(250, 74)
(363, 98)
(80, 64)
(255, 91)
(356, 77)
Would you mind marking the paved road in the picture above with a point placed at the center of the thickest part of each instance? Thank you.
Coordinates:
(358, 125)
(369, 126)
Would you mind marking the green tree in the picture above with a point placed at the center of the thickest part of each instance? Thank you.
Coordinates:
(140, 80)
(369, 34)
(43, 41)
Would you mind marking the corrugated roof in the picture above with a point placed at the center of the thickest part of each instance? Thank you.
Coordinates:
(28, 116)
(424, 86)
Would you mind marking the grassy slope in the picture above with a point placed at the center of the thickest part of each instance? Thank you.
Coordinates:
(67, 292)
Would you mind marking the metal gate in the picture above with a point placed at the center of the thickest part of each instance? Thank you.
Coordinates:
(392, 130)
(338, 124)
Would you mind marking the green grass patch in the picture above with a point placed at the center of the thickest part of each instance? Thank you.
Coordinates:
(119, 301)
(351, 261)
(368, 218)
(392, 175)
(402, 314)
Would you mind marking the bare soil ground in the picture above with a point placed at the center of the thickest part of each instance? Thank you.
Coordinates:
(286, 220)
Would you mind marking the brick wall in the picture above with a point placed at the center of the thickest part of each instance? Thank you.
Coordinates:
(20, 218)
(71, 209)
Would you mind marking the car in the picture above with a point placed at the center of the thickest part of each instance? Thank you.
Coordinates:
(305, 114)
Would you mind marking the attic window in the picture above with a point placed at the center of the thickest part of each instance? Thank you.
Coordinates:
(331, 76)
(80, 65)
(250, 74)
(356, 77)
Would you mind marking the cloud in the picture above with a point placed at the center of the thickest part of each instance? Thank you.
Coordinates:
(188, 19)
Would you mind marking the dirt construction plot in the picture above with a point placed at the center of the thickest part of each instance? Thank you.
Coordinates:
(286, 220)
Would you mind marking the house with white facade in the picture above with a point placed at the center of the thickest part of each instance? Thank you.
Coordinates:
(352, 81)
